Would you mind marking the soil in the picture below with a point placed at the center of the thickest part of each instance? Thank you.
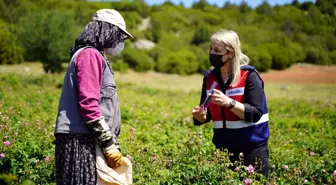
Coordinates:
(303, 74)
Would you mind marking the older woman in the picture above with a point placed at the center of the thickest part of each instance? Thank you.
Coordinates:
(237, 105)
(89, 105)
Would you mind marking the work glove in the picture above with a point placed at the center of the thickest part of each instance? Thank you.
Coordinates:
(113, 156)
(107, 140)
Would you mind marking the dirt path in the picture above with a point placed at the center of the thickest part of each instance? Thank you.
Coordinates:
(302, 74)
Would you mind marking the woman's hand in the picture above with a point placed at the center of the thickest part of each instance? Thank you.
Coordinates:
(199, 113)
(218, 98)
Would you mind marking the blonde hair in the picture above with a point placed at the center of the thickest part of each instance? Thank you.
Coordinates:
(231, 42)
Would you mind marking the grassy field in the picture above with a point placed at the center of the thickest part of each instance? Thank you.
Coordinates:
(158, 133)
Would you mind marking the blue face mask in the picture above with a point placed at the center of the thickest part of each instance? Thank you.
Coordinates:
(117, 50)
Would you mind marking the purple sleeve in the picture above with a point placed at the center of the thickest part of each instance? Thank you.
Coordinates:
(89, 66)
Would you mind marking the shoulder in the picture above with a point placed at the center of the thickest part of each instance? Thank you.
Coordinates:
(89, 56)
(89, 52)
(251, 71)
(247, 67)
(254, 79)
(207, 72)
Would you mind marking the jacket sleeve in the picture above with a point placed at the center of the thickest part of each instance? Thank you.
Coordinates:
(253, 97)
(203, 96)
(89, 69)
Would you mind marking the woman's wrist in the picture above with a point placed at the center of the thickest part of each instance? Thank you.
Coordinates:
(228, 103)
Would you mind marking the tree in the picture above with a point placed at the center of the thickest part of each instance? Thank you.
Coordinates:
(326, 6)
(48, 36)
(265, 9)
(10, 51)
(244, 7)
(306, 5)
(202, 34)
(183, 62)
(201, 4)
(296, 3)
(229, 6)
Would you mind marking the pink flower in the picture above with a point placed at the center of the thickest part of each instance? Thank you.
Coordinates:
(311, 153)
(248, 181)
(37, 161)
(250, 169)
(237, 169)
(46, 159)
(285, 167)
(323, 171)
(6, 143)
(154, 157)
(2, 155)
(334, 174)
(305, 181)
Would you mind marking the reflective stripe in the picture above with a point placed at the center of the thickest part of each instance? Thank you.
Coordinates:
(239, 124)
(217, 124)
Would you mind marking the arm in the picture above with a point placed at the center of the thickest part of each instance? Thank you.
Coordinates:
(253, 98)
(251, 110)
(207, 117)
(89, 68)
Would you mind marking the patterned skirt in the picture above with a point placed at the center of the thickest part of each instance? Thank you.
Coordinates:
(75, 159)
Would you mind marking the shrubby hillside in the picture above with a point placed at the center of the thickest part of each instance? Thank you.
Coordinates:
(273, 37)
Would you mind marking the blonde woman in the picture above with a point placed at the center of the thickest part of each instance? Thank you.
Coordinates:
(237, 104)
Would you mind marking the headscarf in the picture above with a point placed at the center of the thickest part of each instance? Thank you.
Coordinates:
(99, 35)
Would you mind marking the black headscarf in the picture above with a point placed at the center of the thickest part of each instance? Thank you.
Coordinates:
(99, 35)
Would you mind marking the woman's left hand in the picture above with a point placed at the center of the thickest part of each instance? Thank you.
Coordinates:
(218, 98)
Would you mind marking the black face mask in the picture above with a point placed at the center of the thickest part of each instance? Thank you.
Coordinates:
(216, 60)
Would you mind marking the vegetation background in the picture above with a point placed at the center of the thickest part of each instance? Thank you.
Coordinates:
(171, 38)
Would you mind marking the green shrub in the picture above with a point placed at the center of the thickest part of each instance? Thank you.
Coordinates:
(332, 58)
(202, 34)
(260, 58)
(119, 65)
(264, 9)
(202, 54)
(157, 52)
(137, 60)
(10, 51)
(181, 62)
(132, 19)
(136, 6)
(314, 56)
(48, 36)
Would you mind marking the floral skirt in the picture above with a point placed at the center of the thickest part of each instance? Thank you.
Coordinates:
(75, 159)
